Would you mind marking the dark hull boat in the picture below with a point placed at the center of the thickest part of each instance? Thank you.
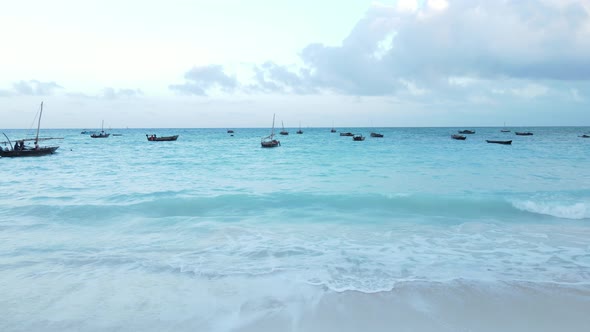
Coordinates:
(230, 131)
(376, 135)
(358, 138)
(499, 142)
(466, 132)
(585, 136)
(41, 151)
(269, 141)
(154, 138)
(346, 134)
(20, 150)
(458, 137)
(527, 133)
(100, 135)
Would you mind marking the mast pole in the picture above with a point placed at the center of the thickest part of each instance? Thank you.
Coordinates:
(39, 124)
(272, 133)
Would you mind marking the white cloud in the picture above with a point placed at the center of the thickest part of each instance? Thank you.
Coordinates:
(530, 91)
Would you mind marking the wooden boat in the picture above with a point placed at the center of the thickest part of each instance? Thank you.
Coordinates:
(466, 131)
(459, 137)
(102, 134)
(154, 138)
(585, 136)
(230, 131)
(269, 141)
(525, 133)
(499, 142)
(376, 135)
(20, 150)
(358, 138)
(299, 131)
(504, 130)
(332, 130)
(346, 134)
(283, 132)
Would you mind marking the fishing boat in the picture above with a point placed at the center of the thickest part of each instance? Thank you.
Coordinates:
(283, 132)
(154, 138)
(466, 131)
(504, 130)
(229, 131)
(358, 137)
(499, 142)
(332, 130)
(269, 141)
(458, 137)
(20, 150)
(346, 134)
(299, 131)
(376, 135)
(585, 136)
(102, 134)
(523, 133)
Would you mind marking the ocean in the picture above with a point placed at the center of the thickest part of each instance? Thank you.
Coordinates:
(410, 232)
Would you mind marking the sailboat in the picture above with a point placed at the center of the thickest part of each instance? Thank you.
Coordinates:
(20, 150)
(504, 130)
(332, 130)
(102, 134)
(283, 132)
(269, 141)
(300, 131)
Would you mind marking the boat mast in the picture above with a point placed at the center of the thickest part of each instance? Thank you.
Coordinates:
(272, 133)
(39, 124)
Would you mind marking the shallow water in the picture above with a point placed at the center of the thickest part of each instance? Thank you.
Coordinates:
(214, 233)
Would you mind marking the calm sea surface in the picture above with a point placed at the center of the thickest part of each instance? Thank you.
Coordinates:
(411, 232)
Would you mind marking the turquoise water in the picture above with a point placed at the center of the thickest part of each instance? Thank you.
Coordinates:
(214, 233)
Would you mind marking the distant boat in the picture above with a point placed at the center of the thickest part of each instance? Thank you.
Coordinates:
(269, 141)
(459, 137)
(376, 135)
(466, 131)
(283, 132)
(20, 150)
(523, 133)
(499, 142)
(299, 131)
(86, 132)
(585, 136)
(358, 137)
(102, 134)
(230, 131)
(504, 130)
(332, 130)
(346, 134)
(154, 138)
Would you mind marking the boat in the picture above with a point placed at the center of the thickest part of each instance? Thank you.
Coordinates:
(20, 150)
(229, 131)
(86, 132)
(269, 141)
(332, 130)
(346, 134)
(499, 142)
(466, 131)
(459, 137)
(358, 138)
(585, 136)
(504, 130)
(523, 133)
(283, 132)
(376, 135)
(154, 138)
(299, 131)
(102, 134)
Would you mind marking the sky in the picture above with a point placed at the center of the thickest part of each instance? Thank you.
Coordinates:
(357, 63)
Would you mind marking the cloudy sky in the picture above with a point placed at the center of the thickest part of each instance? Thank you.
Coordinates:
(232, 63)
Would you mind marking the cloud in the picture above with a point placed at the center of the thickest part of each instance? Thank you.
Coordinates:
(201, 79)
(432, 48)
(111, 93)
(34, 88)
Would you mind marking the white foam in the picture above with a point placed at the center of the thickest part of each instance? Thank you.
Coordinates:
(577, 211)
